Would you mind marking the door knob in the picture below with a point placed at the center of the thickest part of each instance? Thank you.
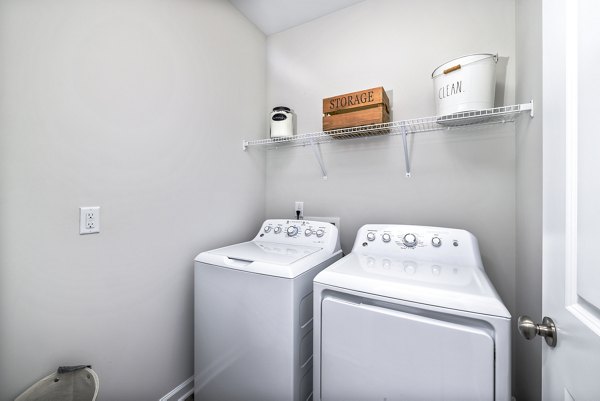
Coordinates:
(528, 329)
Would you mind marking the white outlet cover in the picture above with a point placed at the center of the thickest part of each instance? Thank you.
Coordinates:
(89, 220)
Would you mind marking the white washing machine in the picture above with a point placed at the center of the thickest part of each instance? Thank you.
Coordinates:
(410, 314)
(253, 317)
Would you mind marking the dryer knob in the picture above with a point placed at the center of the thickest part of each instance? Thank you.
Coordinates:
(277, 230)
(386, 237)
(320, 233)
(436, 241)
(292, 231)
(308, 232)
(267, 229)
(410, 240)
(371, 236)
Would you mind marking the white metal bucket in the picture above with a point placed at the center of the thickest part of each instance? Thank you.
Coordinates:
(464, 84)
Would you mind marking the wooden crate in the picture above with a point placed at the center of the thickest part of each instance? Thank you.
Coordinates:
(356, 100)
(369, 106)
(372, 115)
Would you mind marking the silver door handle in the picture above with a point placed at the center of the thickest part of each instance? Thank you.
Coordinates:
(528, 329)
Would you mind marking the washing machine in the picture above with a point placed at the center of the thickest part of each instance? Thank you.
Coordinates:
(253, 316)
(410, 314)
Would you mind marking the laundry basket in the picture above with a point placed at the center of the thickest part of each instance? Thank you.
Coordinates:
(68, 383)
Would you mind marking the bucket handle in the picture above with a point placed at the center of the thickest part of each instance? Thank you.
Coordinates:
(451, 69)
(459, 66)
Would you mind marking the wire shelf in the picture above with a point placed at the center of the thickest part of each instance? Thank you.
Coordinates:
(494, 115)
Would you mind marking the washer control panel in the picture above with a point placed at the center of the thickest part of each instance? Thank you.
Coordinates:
(420, 242)
(300, 232)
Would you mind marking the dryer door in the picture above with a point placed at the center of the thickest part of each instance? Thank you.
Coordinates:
(371, 353)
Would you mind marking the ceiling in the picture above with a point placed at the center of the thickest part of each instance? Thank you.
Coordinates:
(272, 16)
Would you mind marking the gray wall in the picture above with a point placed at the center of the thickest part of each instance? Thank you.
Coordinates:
(463, 179)
(528, 364)
(126, 105)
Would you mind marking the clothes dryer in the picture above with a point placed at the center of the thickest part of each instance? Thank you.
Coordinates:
(410, 314)
(253, 313)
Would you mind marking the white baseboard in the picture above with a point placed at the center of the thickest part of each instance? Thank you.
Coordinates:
(173, 394)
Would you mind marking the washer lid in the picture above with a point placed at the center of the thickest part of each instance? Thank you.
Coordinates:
(269, 258)
(464, 288)
(266, 252)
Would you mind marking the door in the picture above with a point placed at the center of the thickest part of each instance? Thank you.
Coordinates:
(375, 353)
(571, 209)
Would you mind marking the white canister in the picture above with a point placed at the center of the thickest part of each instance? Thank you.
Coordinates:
(282, 122)
(464, 84)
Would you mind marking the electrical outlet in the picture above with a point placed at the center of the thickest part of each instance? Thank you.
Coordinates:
(89, 220)
(299, 206)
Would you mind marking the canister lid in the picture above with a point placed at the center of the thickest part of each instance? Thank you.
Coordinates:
(282, 108)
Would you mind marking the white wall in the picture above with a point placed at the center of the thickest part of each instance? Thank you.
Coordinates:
(139, 107)
(463, 179)
(528, 363)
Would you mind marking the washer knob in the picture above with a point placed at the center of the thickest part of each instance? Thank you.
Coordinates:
(277, 230)
(320, 233)
(308, 232)
(410, 240)
(292, 231)
(267, 229)
(386, 237)
(371, 236)
(436, 241)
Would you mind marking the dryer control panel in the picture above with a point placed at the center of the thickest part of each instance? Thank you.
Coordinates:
(299, 232)
(447, 245)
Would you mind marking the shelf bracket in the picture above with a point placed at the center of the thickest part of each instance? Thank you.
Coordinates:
(528, 106)
(406, 159)
(317, 151)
